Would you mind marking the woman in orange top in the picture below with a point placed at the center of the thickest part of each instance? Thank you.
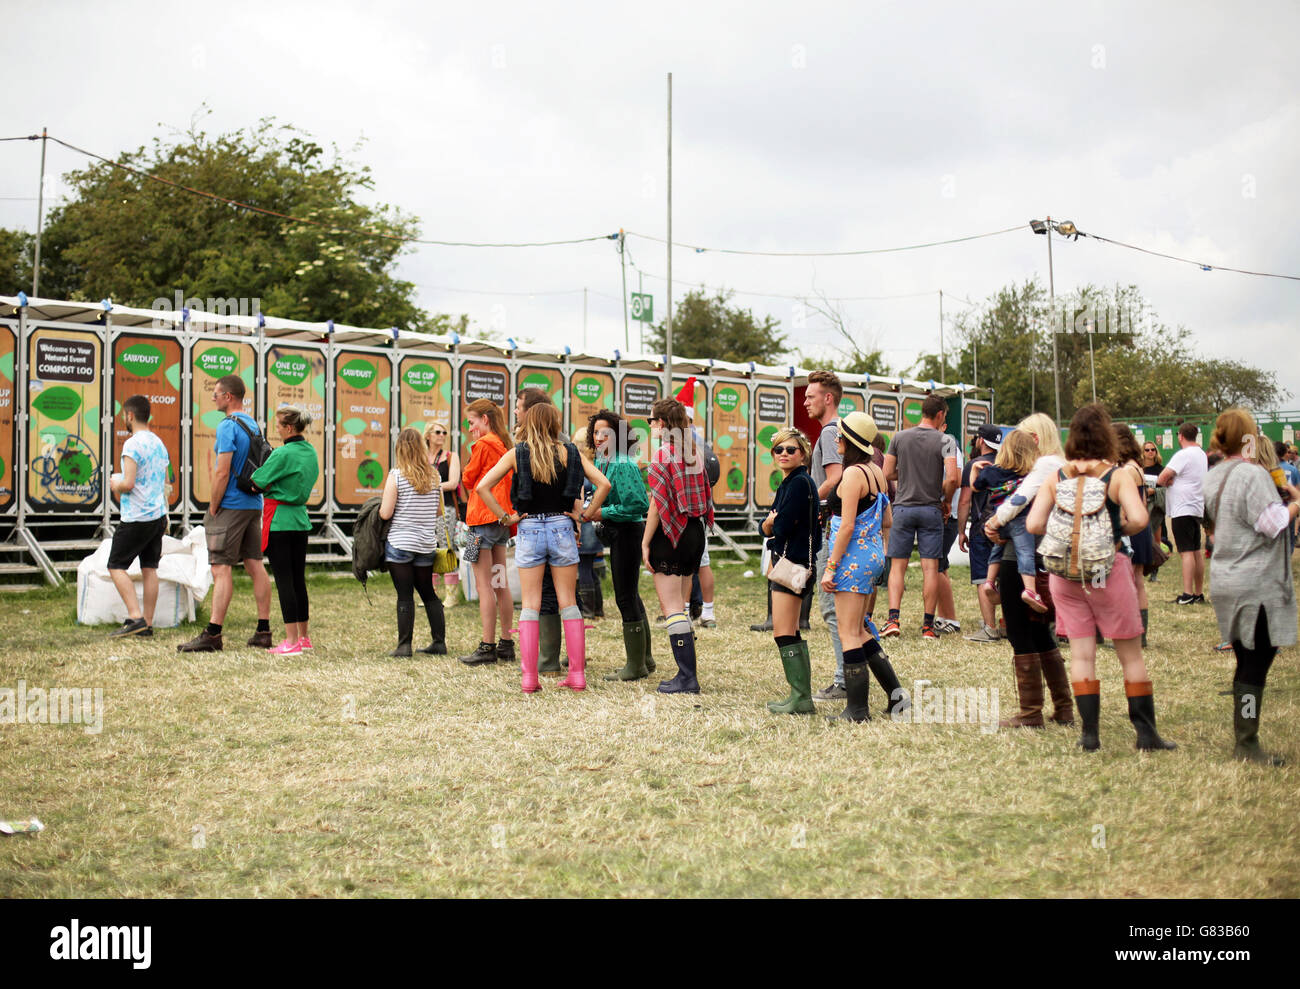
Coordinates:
(487, 430)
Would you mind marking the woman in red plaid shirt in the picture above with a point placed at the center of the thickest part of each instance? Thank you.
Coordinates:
(681, 509)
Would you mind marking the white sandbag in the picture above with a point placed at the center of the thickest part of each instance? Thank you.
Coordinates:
(183, 580)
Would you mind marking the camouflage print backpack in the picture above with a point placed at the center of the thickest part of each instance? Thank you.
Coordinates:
(1079, 543)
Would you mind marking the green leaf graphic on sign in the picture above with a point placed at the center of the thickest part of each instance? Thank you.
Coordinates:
(212, 418)
(774, 480)
(421, 377)
(216, 362)
(141, 359)
(726, 399)
(92, 418)
(587, 390)
(445, 391)
(2, 466)
(765, 436)
(7, 366)
(250, 380)
(384, 386)
(117, 407)
(537, 380)
(291, 369)
(370, 474)
(173, 375)
(735, 479)
(353, 426)
(723, 442)
(74, 468)
(846, 406)
(58, 403)
(318, 385)
(744, 411)
(52, 436)
(358, 373)
(912, 411)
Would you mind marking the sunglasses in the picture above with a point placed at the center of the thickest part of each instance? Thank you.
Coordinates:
(791, 450)
(1148, 449)
(440, 432)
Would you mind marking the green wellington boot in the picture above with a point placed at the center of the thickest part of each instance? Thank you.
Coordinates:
(798, 673)
(549, 635)
(649, 642)
(1245, 725)
(634, 644)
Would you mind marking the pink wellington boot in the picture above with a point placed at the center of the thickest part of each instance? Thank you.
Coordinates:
(528, 651)
(575, 647)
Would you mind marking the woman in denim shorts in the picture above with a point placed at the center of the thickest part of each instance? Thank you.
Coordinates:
(545, 494)
(487, 430)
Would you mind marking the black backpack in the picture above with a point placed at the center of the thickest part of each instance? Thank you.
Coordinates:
(712, 466)
(258, 452)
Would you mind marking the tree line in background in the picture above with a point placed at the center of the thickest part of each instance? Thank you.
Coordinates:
(121, 236)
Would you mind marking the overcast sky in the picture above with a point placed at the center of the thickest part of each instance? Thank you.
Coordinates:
(796, 127)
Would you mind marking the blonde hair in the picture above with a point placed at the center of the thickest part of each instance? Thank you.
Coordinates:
(1230, 431)
(790, 433)
(1265, 455)
(428, 434)
(1041, 427)
(294, 416)
(540, 432)
(413, 460)
(1017, 452)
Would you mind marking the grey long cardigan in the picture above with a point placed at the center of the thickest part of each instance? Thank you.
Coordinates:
(1248, 571)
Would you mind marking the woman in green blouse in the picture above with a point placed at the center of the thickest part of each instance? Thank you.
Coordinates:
(620, 525)
(286, 480)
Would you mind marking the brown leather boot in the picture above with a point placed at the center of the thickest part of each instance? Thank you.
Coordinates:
(1058, 684)
(1029, 690)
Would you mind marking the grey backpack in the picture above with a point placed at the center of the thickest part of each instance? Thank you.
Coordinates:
(1079, 543)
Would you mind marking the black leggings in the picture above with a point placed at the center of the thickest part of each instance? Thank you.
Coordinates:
(1253, 664)
(1027, 630)
(625, 568)
(407, 577)
(287, 554)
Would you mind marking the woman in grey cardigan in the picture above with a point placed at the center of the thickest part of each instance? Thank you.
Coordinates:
(1250, 571)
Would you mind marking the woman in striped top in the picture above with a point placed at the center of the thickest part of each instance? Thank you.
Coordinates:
(413, 500)
(447, 464)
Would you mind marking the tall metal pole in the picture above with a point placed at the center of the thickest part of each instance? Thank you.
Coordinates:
(943, 360)
(1092, 363)
(976, 376)
(668, 317)
(1051, 288)
(640, 329)
(40, 217)
(622, 256)
(584, 316)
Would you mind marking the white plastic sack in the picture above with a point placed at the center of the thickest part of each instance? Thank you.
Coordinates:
(183, 580)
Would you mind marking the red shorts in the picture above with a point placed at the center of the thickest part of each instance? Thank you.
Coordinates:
(1082, 609)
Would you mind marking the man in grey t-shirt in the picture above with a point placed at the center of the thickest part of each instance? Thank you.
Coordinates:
(924, 461)
(822, 403)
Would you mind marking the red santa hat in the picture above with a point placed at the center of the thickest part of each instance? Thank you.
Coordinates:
(687, 396)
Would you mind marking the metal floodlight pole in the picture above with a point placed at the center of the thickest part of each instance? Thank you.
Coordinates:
(622, 257)
(1051, 288)
(640, 329)
(1092, 363)
(584, 317)
(668, 313)
(40, 217)
(943, 360)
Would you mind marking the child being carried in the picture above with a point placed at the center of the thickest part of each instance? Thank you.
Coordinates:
(1000, 479)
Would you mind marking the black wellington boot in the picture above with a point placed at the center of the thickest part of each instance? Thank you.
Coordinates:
(685, 681)
(857, 684)
(1142, 712)
(767, 623)
(1245, 725)
(405, 628)
(878, 663)
(437, 628)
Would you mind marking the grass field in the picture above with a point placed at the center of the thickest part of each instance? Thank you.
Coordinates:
(344, 772)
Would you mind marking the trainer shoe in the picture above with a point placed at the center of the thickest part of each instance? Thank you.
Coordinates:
(1185, 599)
(286, 648)
(985, 634)
(145, 633)
(1198, 599)
(304, 643)
(506, 650)
(1224, 646)
(928, 634)
(947, 626)
(132, 626)
(831, 692)
(202, 643)
(890, 630)
(485, 653)
(708, 623)
(262, 640)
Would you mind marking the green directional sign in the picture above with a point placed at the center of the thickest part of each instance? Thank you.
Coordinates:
(643, 308)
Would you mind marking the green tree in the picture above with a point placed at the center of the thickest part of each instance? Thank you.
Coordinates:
(706, 326)
(125, 237)
(15, 261)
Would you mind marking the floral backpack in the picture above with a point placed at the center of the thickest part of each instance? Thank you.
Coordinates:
(1079, 543)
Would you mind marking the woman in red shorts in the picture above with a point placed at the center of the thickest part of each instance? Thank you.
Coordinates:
(1111, 606)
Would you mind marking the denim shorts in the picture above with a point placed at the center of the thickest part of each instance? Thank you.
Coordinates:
(546, 539)
(1019, 541)
(491, 534)
(921, 525)
(394, 555)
